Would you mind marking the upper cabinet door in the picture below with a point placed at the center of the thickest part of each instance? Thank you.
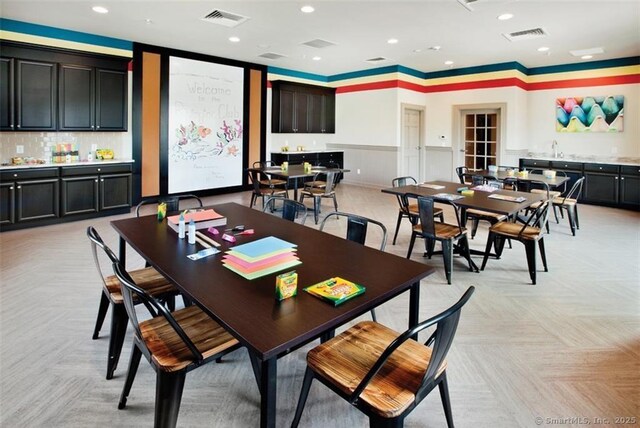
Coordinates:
(77, 98)
(111, 100)
(286, 119)
(7, 115)
(299, 108)
(35, 95)
(316, 113)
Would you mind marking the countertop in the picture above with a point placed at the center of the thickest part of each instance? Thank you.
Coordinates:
(55, 165)
(295, 152)
(586, 159)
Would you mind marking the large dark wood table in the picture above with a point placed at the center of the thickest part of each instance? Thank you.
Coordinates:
(248, 309)
(294, 173)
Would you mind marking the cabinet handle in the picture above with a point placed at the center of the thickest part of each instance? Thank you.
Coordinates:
(98, 169)
(616, 178)
(98, 127)
(91, 126)
(102, 180)
(19, 187)
(18, 126)
(11, 126)
(15, 175)
(96, 180)
(621, 178)
(600, 167)
(11, 188)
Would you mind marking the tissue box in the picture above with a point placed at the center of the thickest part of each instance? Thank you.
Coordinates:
(549, 173)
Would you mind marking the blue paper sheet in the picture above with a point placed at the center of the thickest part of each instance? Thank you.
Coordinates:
(263, 246)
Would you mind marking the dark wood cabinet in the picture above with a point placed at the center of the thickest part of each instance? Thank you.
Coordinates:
(7, 100)
(92, 99)
(325, 158)
(7, 203)
(298, 108)
(601, 183)
(29, 195)
(35, 93)
(630, 186)
(92, 189)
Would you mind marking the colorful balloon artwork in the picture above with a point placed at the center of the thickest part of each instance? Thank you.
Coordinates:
(590, 114)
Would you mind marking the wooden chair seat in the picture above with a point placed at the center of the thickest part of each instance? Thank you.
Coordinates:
(346, 359)
(316, 191)
(564, 201)
(148, 278)
(552, 193)
(169, 352)
(512, 230)
(273, 182)
(413, 210)
(487, 214)
(316, 183)
(443, 230)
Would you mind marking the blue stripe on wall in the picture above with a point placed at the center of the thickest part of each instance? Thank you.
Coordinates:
(591, 65)
(476, 70)
(298, 74)
(57, 33)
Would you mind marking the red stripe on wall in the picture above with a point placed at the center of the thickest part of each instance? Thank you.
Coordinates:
(597, 81)
(130, 66)
(484, 84)
(368, 86)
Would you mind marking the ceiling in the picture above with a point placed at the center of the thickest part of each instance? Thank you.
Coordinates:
(359, 30)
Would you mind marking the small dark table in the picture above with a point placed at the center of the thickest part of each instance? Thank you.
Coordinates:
(553, 183)
(294, 173)
(248, 309)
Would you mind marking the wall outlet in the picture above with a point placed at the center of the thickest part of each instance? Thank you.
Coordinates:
(94, 147)
(442, 137)
(358, 171)
(19, 149)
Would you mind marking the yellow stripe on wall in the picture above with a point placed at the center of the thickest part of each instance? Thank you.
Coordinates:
(64, 44)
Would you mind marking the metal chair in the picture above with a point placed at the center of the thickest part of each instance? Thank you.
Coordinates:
(260, 190)
(461, 171)
(447, 234)
(271, 181)
(383, 373)
(569, 202)
(357, 232)
(174, 343)
(148, 279)
(406, 209)
(321, 193)
(291, 210)
(172, 201)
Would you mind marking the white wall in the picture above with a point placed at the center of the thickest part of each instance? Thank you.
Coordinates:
(542, 131)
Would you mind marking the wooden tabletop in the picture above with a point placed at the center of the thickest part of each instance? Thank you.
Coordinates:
(479, 200)
(248, 309)
(296, 171)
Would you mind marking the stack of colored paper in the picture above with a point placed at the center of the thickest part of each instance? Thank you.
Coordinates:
(262, 257)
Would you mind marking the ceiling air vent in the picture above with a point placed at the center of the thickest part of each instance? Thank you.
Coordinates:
(534, 33)
(271, 55)
(226, 19)
(468, 3)
(376, 60)
(318, 43)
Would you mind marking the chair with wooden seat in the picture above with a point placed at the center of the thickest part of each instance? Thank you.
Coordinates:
(321, 181)
(511, 182)
(383, 373)
(148, 279)
(318, 193)
(262, 187)
(476, 215)
(531, 234)
(447, 234)
(172, 201)
(357, 227)
(272, 181)
(405, 208)
(569, 202)
(291, 210)
(460, 172)
(174, 343)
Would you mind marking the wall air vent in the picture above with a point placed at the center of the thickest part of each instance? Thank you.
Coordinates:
(534, 33)
(318, 43)
(376, 60)
(271, 55)
(226, 19)
(468, 4)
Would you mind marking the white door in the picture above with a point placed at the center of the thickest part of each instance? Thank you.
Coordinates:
(412, 142)
(480, 139)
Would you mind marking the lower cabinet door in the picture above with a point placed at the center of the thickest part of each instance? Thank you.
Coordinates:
(630, 190)
(115, 191)
(79, 195)
(601, 188)
(37, 199)
(7, 203)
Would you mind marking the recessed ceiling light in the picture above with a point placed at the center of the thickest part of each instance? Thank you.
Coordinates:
(435, 48)
(100, 9)
(234, 39)
(148, 21)
(586, 56)
(264, 46)
(417, 50)
(392, 41)
(307, 9)
(448, 62)
(505, 16)
(543, 49)
(317, 58)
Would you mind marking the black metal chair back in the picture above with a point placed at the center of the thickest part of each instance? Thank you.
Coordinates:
(403, 201)
(461, 171)
(172, 201)
(576, 190)
(96, 241)
(357, 227)
(291, 210)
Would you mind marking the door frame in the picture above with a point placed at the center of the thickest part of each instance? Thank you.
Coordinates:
(421, 145)
(457, 143)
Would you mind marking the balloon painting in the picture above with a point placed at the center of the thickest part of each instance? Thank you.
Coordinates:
(590, 114)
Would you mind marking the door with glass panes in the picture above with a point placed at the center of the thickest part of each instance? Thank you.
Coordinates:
(481, 136)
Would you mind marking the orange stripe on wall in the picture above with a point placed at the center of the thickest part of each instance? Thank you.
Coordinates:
(150, 163)
(255, 104)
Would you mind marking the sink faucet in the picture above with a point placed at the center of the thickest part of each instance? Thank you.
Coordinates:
(554, 146)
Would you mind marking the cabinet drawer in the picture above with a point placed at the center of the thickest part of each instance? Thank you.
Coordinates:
(599, 167)
(630, 170)
(95, 169)
(575, 166)
(529, 163)
(27, 174)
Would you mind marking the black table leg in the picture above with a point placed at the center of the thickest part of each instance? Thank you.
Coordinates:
(414, 306)
(122, 250)
(269, 369)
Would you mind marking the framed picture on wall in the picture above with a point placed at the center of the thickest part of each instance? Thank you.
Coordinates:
(205, 125)
(590, 114)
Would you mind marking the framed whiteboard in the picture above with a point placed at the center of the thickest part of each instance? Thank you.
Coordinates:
(205, 141)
